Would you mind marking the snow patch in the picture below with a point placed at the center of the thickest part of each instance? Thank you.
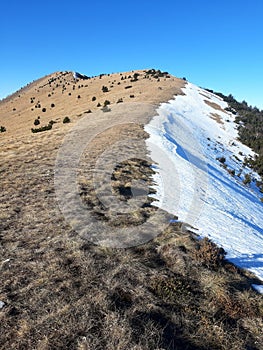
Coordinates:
(258, 288)
(187, 142)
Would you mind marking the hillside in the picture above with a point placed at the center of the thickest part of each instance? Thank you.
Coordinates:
(59, 95)
(86, 260)
(250, 120)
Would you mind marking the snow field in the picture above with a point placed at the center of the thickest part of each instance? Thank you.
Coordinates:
(187, 138)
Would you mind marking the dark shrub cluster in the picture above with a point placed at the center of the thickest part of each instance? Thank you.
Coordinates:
(247, 179)
(135, 77)
(36, 121)
(43, 128)
(104, 88)
(66, 120)
(157, 74)
(221, 159)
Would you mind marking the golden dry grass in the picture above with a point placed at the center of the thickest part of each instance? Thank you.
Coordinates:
(216, 117)
(17, 114)
(214, 106)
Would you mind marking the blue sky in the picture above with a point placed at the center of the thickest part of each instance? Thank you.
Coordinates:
(214, 44)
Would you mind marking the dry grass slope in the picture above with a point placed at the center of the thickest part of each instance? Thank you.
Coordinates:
(62, 292)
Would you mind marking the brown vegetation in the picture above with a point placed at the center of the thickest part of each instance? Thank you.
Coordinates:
(214, 106)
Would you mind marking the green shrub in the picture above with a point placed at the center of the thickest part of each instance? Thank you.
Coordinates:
(36, 122)
(221, 159)
(2, 129)
(135, 77)
(43, 128)
(66, 120)
(93, 98)
(106, 102)
(231, 172)
(247, 179)
(104, 88)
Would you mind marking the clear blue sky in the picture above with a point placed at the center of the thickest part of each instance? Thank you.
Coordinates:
(215, 44)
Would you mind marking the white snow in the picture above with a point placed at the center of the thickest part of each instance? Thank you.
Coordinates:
(258, 287)
(185, 141)
(5, 261)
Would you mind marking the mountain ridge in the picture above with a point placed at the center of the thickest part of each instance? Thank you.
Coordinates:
(61, 290)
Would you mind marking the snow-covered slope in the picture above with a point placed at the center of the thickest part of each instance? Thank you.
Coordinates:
(200, 174)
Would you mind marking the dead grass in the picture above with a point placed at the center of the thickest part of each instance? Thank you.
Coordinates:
(216, 117)
(68, 294)
(214, 106)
